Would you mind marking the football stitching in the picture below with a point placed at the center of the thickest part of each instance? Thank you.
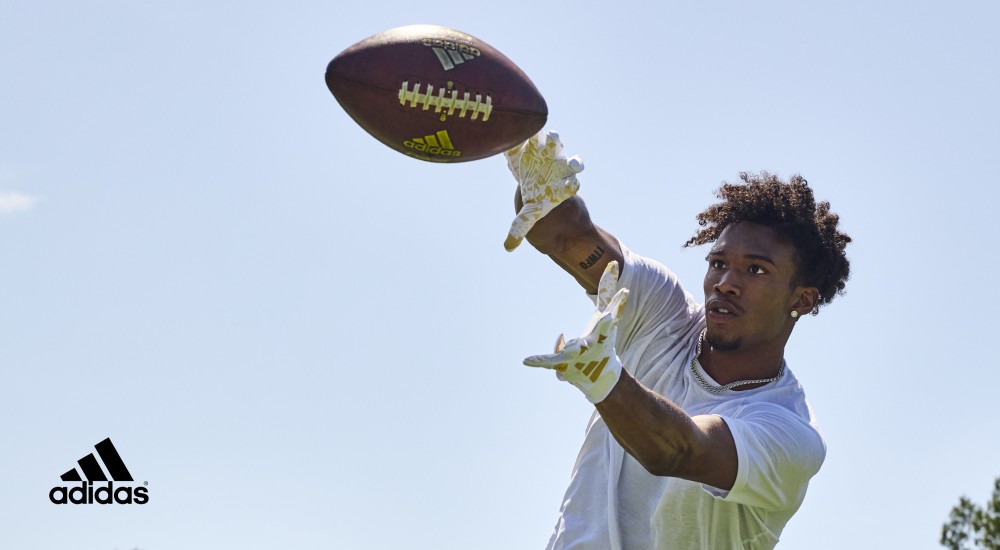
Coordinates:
(446, 105)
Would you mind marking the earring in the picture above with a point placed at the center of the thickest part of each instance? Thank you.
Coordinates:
(795, 314)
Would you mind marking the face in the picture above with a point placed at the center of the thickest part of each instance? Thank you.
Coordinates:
(749, 291)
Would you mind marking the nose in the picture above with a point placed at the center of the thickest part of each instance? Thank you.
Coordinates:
(727, 285)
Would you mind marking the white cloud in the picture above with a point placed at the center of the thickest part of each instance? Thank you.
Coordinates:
(11, 202)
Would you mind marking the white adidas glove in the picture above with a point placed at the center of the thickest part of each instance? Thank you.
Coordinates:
(546, 178)
(590, 361)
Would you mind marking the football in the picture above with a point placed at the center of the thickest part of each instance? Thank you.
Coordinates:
(436, 94)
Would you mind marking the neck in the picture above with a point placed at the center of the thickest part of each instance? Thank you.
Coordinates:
(745, 363)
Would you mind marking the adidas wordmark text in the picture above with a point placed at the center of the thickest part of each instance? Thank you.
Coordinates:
(92, 490)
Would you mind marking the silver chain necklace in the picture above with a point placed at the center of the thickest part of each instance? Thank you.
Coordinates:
(719, 389)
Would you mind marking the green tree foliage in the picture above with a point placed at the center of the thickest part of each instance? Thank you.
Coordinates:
(971, 527)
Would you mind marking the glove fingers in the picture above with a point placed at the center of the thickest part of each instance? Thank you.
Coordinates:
(515, 153)
(553, 145)
(575, 163)
(607, 284)
(566, 188)
(556, 361)
(557, 171)
(560, 343)
(617, 304)
(597, 325)
(511, 243)
(605, 326)
(542, 361)
(535, 145)
(513, 157)
(552, 361)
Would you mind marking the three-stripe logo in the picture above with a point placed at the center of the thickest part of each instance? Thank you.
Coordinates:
(591, 370)
(449, 58)
(105, 494)
(450, 53)
(112, 461)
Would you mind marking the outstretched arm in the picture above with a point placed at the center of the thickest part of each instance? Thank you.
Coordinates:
(554, 219)
(656, 432)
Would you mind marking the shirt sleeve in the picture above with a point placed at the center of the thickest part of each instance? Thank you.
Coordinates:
(778, 453)
(657, 301)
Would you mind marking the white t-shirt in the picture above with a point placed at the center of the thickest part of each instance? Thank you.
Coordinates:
(613, 503)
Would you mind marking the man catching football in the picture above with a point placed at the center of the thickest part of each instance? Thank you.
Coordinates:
(702, 437)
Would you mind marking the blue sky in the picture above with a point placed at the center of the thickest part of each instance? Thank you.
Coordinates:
(298, 337)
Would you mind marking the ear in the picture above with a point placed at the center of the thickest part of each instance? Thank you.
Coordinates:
(806, 300)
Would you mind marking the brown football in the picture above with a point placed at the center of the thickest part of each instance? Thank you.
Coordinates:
(436, 94)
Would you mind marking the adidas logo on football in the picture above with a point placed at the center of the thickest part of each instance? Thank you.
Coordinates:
(451, 53)
(437, 144)
(86, 493)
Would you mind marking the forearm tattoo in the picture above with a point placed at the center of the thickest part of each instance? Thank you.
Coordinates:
(592, 258)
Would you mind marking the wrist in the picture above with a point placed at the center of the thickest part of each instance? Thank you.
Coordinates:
(555, 233)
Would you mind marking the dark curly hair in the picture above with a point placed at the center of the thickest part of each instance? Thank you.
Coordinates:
(790, 209)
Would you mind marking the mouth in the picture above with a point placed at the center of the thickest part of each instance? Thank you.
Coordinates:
(721, 310)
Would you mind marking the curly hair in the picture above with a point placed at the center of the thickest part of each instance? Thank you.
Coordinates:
(791, 210)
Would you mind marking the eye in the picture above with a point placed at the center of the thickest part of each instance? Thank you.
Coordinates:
(756, 269)
(717, 264)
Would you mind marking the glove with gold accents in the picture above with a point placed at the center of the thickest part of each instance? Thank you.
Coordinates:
(590, 361)
(546, 178)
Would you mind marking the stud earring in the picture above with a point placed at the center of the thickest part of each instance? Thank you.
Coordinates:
(795, 314)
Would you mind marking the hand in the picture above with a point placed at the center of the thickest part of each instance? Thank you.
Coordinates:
(546, 178)
(590, 361)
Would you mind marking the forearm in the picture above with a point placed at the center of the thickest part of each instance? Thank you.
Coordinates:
(570, 238)
(656, 432)
(665, 439)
